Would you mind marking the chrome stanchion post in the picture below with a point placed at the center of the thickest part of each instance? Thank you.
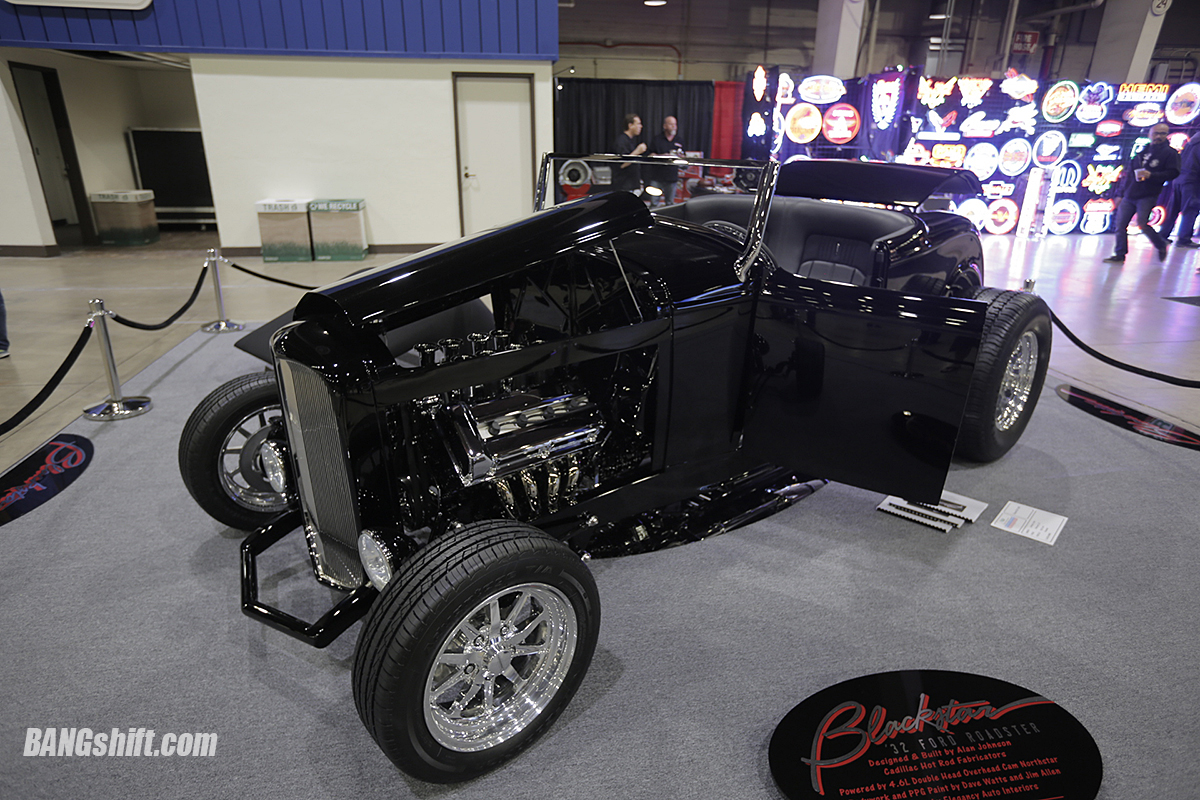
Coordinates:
(221, 325)
(116, 406)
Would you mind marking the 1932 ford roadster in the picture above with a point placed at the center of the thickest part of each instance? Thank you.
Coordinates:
(455, 433)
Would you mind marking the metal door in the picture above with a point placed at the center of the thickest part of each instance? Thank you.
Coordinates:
(494, 122)
(860, 385)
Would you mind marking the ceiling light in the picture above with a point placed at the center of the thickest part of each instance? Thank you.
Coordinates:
(654, 2)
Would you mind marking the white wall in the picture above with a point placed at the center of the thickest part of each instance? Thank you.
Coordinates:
(24, 221)
(102, 101)
(380, 129)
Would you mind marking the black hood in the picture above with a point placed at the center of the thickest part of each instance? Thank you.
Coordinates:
(872, 182)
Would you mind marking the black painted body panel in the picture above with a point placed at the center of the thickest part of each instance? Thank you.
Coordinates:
(698, 378)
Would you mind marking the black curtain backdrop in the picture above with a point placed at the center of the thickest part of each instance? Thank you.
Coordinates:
(590, 113)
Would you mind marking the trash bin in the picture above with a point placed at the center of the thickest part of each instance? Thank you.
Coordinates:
(339, 231)
(283, 226)
(125, 217)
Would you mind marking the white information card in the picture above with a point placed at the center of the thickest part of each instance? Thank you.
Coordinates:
(1030, 522)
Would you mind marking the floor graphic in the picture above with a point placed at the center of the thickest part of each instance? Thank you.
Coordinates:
(933, 734)
(51, 468)
(1128, 418)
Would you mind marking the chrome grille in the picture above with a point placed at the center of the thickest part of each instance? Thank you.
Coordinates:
(326, 489)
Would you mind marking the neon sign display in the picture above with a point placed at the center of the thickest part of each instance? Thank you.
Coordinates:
(1157, 215)
(973, 90)
(1065, 178)
(915, 153)
(997, 189)
(803, 123)
(1063, 217)
(1143, 93)
(1184, 105)
(1097, 215)
(760, 83)
(821, 89)
(978, 126)
(1059, 102)
(932, 94)
(1081, 140)
(1018, 87)
(975, 210)
(841, 123)
(1143, 115)
(1029, 205)
(885, 101)
(982, 159)
(1002, 216)
(948, 155)
(1015, 157)
(1107, 152)
(941, 127)
(1049, 149)
(1093, 102)
(757, 125)
(1110, 128)
(1023, 117)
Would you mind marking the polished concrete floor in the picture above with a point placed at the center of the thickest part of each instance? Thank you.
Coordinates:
(1120, 310)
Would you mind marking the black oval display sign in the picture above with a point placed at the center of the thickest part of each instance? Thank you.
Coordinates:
(933, 735)
(41, 476)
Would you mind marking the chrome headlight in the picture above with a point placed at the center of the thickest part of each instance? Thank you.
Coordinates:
(376, 558)
(274, 463)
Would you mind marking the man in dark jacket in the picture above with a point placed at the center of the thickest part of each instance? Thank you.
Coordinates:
(1185, 196)
(666, 179)
(628, 176)
(1148, 171)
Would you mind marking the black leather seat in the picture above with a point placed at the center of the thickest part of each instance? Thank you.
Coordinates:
(810, 238)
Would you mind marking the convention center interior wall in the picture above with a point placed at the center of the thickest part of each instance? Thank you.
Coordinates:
(380, 129)
(103, 100)
(23, 219)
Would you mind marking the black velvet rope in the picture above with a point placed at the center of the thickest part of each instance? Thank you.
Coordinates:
(1158, 376)
(144, 327)
(269, 278)
(55, 380)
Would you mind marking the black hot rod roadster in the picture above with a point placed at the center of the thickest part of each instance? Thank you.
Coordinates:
(455, 433)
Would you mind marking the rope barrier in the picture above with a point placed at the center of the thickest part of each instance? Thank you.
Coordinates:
(144, 327)
(1158, 376)
(268, 277)
(55, 380)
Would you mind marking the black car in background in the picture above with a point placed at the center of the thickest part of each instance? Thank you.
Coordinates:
(454, 434)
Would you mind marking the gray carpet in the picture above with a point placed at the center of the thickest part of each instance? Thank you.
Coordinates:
(119, 606)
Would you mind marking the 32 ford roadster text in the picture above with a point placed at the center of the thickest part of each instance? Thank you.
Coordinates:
(455, 433)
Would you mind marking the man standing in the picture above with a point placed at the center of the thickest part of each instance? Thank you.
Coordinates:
(1185, 196)
(628, 177)
(1150, 168)
(666, 178)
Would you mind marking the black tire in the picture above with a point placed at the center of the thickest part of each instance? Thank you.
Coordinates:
(418, 634)
(1008, 378)
(218, 451)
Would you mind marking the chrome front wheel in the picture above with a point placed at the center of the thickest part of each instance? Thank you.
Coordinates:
(474, 648)
(501, 667)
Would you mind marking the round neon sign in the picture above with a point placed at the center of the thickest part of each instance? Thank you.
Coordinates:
(842, 123)
(1015, 157)
(1060, 101)
(1049, 149)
